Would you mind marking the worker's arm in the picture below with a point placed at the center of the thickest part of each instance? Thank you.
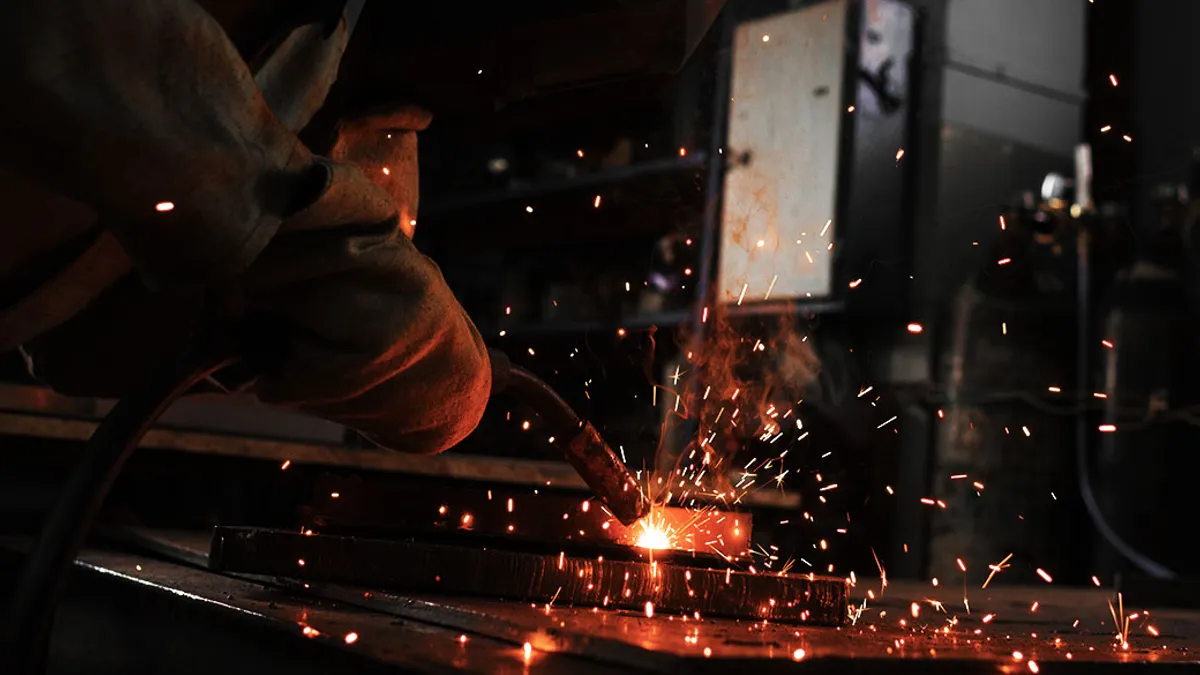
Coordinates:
(127, 104)
(375, 339)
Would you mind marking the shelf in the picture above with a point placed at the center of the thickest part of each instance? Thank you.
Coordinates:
(557, 327)
(440, 207)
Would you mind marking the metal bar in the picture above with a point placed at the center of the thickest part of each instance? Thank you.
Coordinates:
(417, 567)
(534, 473)
(343, 505)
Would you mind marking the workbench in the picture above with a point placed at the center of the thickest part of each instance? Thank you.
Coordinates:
(153, 607)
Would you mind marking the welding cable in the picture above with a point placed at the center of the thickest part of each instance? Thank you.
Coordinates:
(1139, 559)
(24, 643)
(549, 405)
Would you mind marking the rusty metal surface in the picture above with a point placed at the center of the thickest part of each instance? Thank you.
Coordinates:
(606, 475)
(785, 119)
(349, 505)
(461, 570)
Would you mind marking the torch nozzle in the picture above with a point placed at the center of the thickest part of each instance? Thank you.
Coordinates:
(591, 457)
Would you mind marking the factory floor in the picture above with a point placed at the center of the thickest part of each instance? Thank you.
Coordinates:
(157, 609)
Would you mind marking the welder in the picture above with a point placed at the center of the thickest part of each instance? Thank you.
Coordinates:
(145, 175)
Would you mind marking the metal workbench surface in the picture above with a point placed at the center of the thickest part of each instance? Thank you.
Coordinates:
(1069, 630)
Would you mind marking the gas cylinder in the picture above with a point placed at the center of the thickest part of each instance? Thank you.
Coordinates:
(1001, 483)
(1142, 477)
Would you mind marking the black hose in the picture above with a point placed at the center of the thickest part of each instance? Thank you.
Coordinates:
(24, 644)
(557, 413)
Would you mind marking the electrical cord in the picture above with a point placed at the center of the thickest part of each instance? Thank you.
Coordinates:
(24, 644)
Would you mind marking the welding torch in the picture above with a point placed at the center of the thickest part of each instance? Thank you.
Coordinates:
(579, 441)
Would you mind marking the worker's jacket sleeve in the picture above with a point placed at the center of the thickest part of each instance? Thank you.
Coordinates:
(144, 110)
(375, 338)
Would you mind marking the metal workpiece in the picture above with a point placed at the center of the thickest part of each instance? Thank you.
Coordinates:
(607, 475)
(535, 520)
(566, 580)
(148, 614)
(160, 613)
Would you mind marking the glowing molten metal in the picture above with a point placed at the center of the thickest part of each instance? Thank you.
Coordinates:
(654, 533)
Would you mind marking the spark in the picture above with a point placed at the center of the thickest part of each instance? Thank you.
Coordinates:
(743, 294)
(798, 654)
(889, 421)
(1107, 344)
(771, 287)
(899, 154)
(528, 209)
(286, 464)
(163, 207)
(1003, 261)
(596, 202)
(649, 610)
(987, 618)
(1107, 428)
(387, 171)
(766, 38)
(883, 581)
(855, 283)
(528, 650)
(1113, 79)
(997, 568)
(1033, 666)
(1054, 390)
(351, 638)
(1120, 620)
(1106, 128)
(1128, 138)
(915, 328)
(961, 565)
